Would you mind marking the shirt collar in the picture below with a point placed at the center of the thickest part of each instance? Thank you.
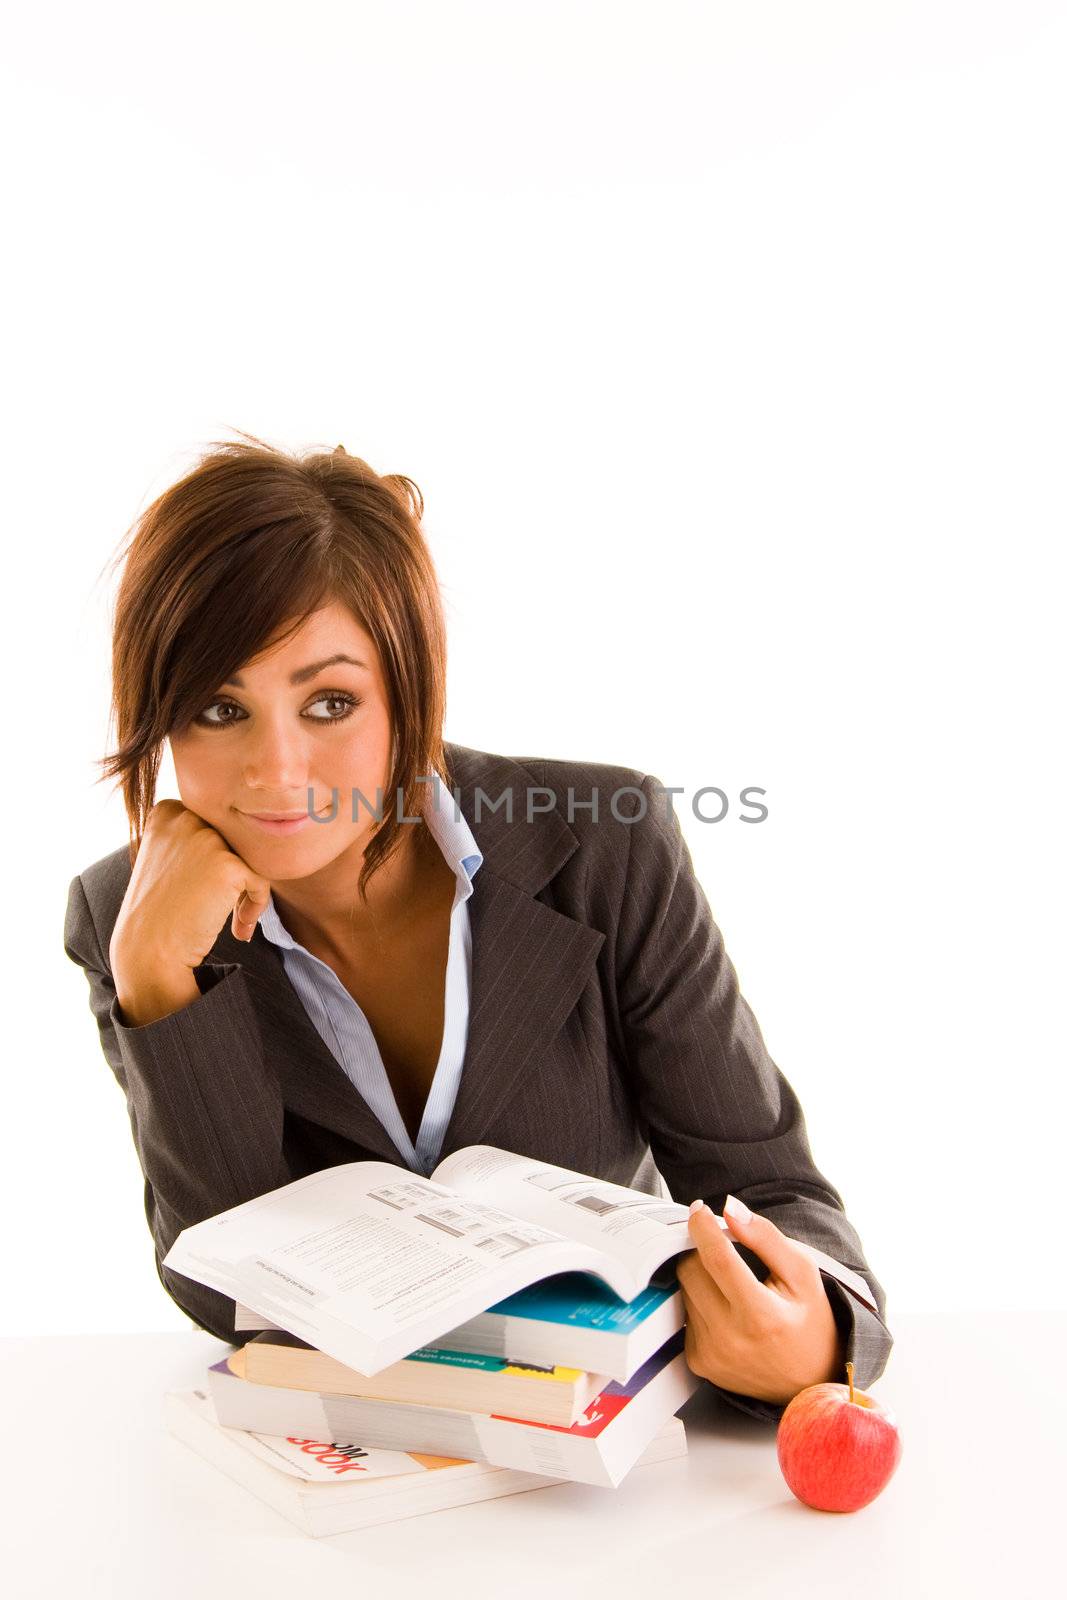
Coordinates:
(457, 844)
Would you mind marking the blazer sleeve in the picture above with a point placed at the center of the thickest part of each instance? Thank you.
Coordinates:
(719, 1116)
(206, 1113)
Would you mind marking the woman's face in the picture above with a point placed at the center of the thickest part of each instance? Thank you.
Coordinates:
(288, 723)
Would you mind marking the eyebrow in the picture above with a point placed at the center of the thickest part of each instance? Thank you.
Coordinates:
(302, 674)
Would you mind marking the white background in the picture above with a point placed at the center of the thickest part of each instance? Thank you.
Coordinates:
(727, 346)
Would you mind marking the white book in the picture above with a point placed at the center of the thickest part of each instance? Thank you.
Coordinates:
(333, 1487)
(368, 1261)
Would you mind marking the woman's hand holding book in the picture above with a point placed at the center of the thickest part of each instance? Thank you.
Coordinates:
(768, 1340)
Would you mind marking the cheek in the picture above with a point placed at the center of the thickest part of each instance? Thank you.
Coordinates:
(204, 776)
(356, 758)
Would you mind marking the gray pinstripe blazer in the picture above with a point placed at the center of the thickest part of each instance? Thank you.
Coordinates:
(607, 1033)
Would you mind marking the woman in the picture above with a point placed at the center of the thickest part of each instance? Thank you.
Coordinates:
(423, 946)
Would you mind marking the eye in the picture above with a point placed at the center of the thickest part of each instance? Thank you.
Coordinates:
(204, 721)
(337, 697)
(230, 712)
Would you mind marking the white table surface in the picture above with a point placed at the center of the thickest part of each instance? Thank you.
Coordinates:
(99, 1499)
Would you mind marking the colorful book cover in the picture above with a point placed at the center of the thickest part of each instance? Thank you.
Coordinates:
(584, 1301)
(446, 1357)
(612, 1399)
(470, 1358)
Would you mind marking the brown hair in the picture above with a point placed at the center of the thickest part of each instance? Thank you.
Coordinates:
(238, 554)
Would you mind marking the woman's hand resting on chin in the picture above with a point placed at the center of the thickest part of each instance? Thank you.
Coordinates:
(185, 882)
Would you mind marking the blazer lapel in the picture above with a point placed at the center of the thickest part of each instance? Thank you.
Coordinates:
(311, 1079)
(530, 963)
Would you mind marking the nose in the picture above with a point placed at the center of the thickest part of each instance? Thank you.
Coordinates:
(276, 763)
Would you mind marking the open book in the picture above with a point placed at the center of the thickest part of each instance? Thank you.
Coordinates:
(368, 1261)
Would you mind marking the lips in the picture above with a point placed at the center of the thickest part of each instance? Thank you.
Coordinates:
(283, 823)
(279, 816)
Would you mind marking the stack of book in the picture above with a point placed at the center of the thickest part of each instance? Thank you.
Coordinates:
(245, 1420)
(502, 1325)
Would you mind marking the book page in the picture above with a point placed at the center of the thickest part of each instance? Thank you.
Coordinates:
(640, 1230)
(368, 1261)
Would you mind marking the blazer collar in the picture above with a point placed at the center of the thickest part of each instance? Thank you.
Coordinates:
(530, 963)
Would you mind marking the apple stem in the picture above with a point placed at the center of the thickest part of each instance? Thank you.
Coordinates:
(848, 1369)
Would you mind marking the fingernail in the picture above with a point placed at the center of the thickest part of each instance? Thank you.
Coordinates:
(737, 1210)
(696, 1205)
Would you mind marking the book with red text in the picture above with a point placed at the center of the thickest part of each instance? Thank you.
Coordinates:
(334, 1486)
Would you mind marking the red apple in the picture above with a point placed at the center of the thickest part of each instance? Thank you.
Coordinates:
(837, 1447)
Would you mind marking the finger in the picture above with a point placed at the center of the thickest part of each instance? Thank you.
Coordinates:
(699, 1337)
(699, 1289)
(237, 927)
(731, 1275)
(251, 903)
(706, 1310)
(789, 1261)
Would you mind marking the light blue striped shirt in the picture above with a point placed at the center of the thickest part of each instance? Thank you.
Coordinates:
(343, 1024)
